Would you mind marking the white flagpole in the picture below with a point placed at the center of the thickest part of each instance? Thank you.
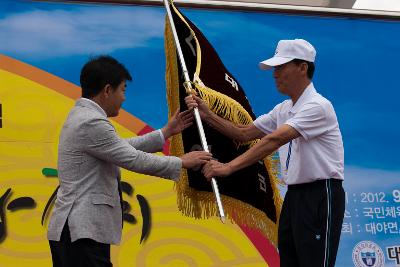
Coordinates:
(200, 128)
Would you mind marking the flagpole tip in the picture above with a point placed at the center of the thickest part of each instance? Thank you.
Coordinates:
(223, 219)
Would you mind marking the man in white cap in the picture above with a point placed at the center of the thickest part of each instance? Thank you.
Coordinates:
(306, 132)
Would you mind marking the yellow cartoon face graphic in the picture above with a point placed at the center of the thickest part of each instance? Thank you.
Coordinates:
(34, 105)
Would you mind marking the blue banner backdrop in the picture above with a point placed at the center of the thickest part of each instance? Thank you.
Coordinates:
(356, 68)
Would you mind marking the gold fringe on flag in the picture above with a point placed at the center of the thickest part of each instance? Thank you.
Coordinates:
(200, 204)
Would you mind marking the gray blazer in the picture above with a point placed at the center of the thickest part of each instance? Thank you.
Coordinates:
(89, 156)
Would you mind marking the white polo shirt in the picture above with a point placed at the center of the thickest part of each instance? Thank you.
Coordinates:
(318, 153)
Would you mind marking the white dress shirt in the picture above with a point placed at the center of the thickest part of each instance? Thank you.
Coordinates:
(318, 153)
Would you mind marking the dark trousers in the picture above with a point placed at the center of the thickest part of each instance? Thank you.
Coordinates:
(83, 252)
(310, 224)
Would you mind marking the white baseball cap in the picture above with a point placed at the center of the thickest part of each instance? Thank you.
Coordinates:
(287, 50)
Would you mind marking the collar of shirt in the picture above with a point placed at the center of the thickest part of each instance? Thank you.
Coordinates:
(86, 102)
(305, 96)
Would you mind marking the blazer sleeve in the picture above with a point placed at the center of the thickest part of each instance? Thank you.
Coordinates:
(150, 142)
(102, 141)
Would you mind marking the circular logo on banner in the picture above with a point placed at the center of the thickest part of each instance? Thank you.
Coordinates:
(368, 254)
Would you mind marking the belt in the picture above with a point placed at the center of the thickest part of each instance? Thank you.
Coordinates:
(314, 183)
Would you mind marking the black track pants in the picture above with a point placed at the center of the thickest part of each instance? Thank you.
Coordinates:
(310, 224)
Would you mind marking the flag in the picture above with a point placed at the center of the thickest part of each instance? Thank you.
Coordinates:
(249, 196)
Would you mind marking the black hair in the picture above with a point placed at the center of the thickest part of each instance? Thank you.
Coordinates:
(100, 71)
(310, 69)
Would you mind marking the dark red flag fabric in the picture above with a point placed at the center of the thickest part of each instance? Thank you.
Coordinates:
(250, 196)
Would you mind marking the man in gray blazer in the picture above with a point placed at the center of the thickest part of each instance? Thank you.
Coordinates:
(87, 216)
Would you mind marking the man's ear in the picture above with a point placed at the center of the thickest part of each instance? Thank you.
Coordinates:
(304, 67)
(107, 90)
